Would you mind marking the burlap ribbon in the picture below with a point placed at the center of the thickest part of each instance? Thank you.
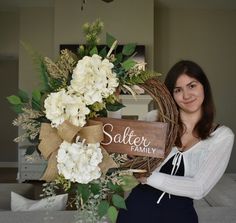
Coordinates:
(51, 139)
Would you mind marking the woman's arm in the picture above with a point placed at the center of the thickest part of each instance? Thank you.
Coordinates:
(206, 177)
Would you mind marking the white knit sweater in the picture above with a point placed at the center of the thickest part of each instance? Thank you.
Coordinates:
(204, 163)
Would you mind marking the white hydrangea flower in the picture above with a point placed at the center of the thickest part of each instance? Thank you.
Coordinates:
(61, 106)
(94, 79)
(112, 81)
(76, 110)
(55, 107)
(78, 162)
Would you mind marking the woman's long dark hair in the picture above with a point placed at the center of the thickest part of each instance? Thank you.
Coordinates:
(204, 126)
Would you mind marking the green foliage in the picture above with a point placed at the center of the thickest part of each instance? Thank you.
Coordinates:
(84, 191)
(94, 50)
(17, 108)
(129, 49)
(128, 64)
(81, 51)
(141, 77)
(35, 56)
(101, 113)
(97, 106)
(92, 31)
(66, 184)
(36, 100)
(119, 58)
(114, 187)
(114, 106)
(103, 52)
(22, 100)
(36, 96)
(103, 208)
(45, 83)
(30, 150)
(128, 182)
(110, 206)
(112, 214)
(23, 96)
(118, 201)
(95, 188)
(110, 40)
(16, 103)
(120, 73)
(57, 84)
(14, 100)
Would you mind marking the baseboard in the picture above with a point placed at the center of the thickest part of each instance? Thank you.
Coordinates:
(9, 164)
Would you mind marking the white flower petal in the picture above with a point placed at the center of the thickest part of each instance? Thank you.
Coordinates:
(78, 162)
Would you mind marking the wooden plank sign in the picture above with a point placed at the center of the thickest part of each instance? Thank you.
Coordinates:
(139, 138)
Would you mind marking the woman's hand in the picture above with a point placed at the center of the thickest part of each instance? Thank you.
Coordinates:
(142, 180)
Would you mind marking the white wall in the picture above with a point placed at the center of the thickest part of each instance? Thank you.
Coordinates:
(208, 37)
(127, 20)
(37, 30)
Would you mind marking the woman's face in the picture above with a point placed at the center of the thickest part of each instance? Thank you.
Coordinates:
(188, 94)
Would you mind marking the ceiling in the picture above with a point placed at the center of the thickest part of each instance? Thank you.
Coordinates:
(14, 4)
(197, 4)
(209, 4)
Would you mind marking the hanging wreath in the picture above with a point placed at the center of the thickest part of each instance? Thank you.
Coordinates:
(60, 119)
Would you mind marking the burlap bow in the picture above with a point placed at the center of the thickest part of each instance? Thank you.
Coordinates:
(51, 139)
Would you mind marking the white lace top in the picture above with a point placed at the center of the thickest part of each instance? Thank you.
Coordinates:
(204, 163)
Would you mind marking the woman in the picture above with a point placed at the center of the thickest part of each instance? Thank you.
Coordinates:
(196, 162)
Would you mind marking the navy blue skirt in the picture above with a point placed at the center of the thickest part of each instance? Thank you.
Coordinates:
(142, 204)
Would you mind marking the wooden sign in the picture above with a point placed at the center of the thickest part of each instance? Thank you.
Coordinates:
(139, 138)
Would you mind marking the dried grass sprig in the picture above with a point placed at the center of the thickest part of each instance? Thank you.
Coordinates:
(63, 67)
(28, 122)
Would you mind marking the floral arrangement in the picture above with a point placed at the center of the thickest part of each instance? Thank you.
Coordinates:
(77, 88)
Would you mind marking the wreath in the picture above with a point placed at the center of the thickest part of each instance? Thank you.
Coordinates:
(59, 118)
